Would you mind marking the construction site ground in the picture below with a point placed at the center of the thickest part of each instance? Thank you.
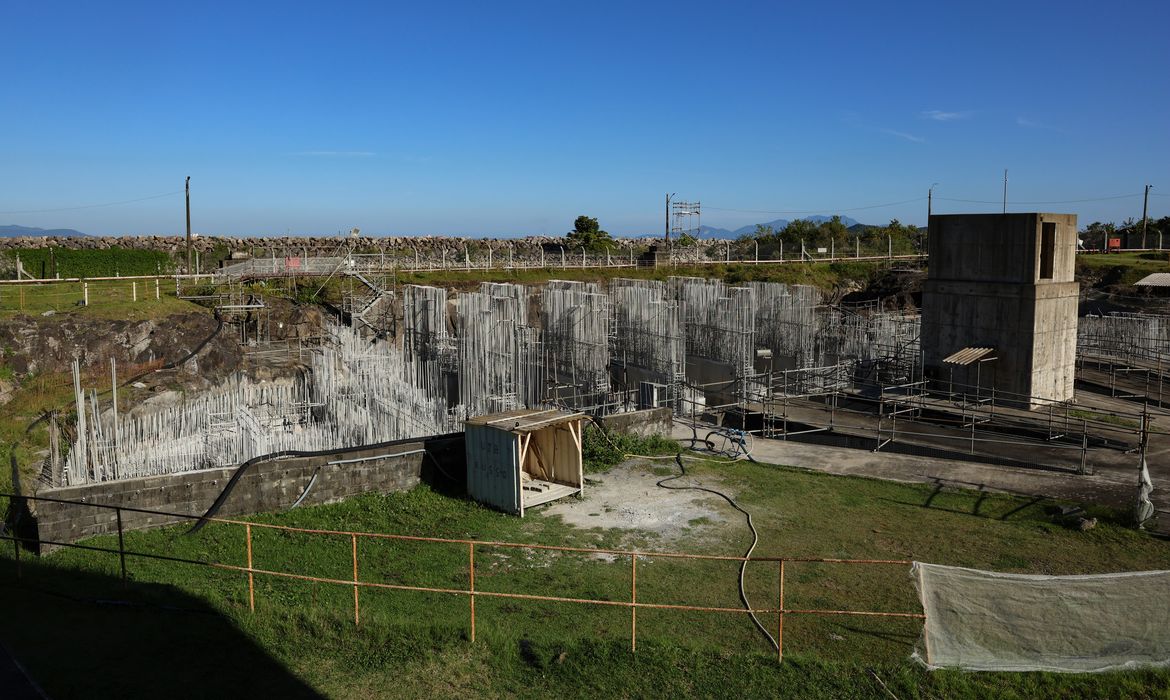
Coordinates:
(1113, 482)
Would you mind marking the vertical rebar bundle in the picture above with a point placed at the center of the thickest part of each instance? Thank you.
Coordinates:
(354, 395)
(787, 322)
(720, 321)
(575, 328)
(427, 344)
(1125, 337)
(648, 331)
(496, 371)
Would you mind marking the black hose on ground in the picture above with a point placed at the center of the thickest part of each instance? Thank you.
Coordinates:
(678, 458)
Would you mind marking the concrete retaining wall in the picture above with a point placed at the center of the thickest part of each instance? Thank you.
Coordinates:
(653, 421)
(267, 486)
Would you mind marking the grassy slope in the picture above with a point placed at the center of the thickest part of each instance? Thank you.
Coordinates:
(1122, 268)
(410, 644)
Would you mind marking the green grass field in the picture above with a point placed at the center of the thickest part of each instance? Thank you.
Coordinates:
(824, 275)
(1122, 268)
(120, 299)
(69, 620)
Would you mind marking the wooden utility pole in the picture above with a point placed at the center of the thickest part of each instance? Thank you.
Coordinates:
(188, 190)
(1145, 209)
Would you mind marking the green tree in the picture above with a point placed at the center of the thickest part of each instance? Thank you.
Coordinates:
(587, 234)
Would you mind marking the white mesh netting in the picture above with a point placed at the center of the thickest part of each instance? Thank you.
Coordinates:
(988, 621)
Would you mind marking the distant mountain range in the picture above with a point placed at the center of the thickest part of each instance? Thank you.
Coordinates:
(777, 224)
(13, 231)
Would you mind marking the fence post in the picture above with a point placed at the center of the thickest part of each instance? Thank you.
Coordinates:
(251, 576)
(85, 293)
(356, 615)
(156, 292)
(634, 602)
(1084, 447)
(780, 619)
(121, 546)
(133, 291)
(973, 421)
(16, 552)
(471, 587)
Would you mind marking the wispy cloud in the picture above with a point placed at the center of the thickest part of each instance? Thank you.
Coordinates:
(903, 135)
(939, 115)
(856, 121)
(335, 154)
(1027, 123)
(1031, 123)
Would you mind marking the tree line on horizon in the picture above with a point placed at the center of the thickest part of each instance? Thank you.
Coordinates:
(833, 234)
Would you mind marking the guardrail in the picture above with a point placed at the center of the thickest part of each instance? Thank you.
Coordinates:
(779, 609)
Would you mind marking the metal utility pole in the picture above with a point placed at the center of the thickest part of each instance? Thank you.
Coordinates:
(188, 190)
(667, 219)
(1005, 190)
(1145, 208)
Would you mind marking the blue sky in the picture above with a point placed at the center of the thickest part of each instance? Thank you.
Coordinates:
(513, 118)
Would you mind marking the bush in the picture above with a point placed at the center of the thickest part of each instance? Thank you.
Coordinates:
(108, 262)
(600, 451)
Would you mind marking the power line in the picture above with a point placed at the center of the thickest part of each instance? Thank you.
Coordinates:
(919, 199)
(93, 206)
(815, 211)
(1058, 201)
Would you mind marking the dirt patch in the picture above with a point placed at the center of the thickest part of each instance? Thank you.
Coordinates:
(627, 498)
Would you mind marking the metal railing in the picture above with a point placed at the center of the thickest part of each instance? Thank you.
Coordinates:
(561, 260)
(779, 609)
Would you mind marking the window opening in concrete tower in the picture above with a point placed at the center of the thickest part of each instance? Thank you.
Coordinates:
(1047, 249)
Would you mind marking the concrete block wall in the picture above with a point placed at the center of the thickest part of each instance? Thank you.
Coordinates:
(266, 487)
(652, 421)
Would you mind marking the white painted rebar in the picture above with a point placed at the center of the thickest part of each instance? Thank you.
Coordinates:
(490, 350)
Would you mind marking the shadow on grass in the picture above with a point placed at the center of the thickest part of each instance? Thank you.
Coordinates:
(980, 497)
(1053, 510)
(80, 635)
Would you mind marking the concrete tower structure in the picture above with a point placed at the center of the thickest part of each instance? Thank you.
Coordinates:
(1001, 286)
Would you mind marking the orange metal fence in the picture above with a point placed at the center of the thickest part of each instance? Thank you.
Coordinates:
(779, 610)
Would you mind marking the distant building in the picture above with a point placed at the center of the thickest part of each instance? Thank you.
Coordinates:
(999, 307)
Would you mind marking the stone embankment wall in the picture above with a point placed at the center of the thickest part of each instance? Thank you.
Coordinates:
(401, 248)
